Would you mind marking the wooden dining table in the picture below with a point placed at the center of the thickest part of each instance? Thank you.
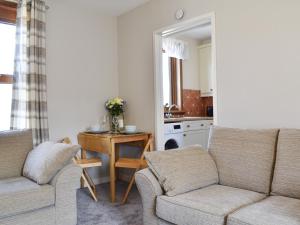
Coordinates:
(109, 143)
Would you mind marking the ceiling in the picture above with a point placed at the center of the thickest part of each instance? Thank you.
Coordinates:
(198, 33)
(111, 7)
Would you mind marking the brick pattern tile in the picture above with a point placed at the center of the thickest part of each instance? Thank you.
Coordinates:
(194, 104)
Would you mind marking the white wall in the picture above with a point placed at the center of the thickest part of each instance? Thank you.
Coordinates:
(81, 67)
(257, 59)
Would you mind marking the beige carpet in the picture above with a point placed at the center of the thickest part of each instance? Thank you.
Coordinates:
(104, 212)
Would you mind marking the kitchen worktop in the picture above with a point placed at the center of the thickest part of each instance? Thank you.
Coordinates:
(180, 119)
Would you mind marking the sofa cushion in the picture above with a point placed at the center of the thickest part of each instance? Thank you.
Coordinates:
(186, 169)
(163, 222)
(14, 147)
(18, 195)
(244, 158)
(44, 161)
(44, 216)
(206, 206)
(275, 210)
(286, 179)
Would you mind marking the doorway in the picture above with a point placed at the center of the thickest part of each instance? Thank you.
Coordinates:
(174, 93)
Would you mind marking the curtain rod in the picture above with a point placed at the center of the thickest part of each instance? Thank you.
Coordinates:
(16, 1)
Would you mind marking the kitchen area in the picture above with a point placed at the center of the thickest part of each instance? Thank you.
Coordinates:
(188, 88)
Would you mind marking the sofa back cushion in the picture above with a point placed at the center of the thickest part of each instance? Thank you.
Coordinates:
(14, 147)
(244, 158)
(45, 160)
(183, 170)
(286, 179)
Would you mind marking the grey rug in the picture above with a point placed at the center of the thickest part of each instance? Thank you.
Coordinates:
(104, 212)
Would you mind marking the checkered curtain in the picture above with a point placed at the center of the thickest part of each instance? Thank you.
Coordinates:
(29, 103)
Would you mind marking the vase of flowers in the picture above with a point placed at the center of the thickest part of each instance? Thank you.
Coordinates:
(115, 107)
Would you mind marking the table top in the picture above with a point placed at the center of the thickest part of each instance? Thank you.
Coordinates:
(103, 142)
(113, 135)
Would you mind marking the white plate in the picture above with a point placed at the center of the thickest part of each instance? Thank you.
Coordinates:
(97, 131)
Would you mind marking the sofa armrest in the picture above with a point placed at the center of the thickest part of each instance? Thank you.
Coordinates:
(66, 183)
(70, 174)
(149, 189)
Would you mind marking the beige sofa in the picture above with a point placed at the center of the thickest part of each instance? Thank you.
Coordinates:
(258, 183)
(22, 201)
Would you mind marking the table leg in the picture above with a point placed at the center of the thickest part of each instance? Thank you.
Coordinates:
(151, 144)
(112, 173)
(117, 156)
(83, 156)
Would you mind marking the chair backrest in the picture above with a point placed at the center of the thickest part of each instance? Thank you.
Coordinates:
(286, 181)
(244, 158)
(14, 147)
(65, 140)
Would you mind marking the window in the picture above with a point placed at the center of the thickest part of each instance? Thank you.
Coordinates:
(7, 52)
(166, 79)
(172, 80)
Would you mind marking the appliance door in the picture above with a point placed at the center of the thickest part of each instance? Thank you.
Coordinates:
(173, 141)
(171, 144)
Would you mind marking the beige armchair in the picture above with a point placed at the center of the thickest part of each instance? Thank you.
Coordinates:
(23, 201)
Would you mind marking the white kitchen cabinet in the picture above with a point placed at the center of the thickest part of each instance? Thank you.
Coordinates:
(199, 137)
(196, 132)
(197, 125)
(205, 70)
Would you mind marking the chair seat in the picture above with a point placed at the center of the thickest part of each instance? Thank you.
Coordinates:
(206, 206)
(275, 210)
(85, 177)
(87, 163)
(19, 195)
(131, 163)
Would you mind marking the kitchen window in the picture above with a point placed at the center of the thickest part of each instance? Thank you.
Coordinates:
(7, 52)
(172, 80)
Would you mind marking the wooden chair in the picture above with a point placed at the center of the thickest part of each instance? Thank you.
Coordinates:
(84, 164)
(137, 164)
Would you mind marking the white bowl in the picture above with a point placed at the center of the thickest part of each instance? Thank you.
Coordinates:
(95, 128)
(130, 128)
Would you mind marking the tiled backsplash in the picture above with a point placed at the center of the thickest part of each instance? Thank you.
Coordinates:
(194, 104)
(191, 102)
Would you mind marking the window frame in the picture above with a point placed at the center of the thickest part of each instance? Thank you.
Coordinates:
(8, 15)
(6, 79)
(8, 12)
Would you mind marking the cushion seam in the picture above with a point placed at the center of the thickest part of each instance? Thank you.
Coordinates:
(244, 206)
(178, 204)
(238, 220)
(28, 211)
(25, 192)
(274, 163)
(22, 193)
(17, 212)
(232, 211)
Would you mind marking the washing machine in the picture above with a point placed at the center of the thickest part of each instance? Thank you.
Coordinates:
(173, 135)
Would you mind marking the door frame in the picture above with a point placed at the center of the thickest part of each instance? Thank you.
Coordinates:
(158, 76)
